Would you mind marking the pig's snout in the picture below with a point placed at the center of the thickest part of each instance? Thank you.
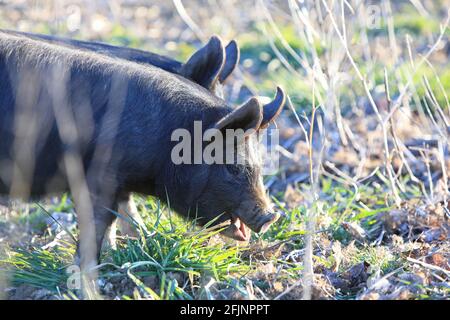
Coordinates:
(264, 222)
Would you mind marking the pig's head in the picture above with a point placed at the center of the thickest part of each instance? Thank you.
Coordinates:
(231, 191)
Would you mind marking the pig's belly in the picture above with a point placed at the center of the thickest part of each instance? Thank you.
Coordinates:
(40, 183)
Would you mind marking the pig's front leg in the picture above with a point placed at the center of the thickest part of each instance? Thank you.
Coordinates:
(103, 219)
(110, 239)
(128, 209)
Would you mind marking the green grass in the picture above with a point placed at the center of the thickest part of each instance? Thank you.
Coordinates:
(171, 244)
(38, 267)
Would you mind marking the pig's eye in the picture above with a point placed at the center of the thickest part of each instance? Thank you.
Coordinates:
(234, 170)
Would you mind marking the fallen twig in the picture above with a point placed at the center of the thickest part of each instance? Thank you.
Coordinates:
(429, 266)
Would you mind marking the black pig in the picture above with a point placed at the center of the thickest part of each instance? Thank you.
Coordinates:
(210, 66)
(67, 114)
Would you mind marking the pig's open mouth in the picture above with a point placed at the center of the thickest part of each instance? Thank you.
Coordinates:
(239, 231)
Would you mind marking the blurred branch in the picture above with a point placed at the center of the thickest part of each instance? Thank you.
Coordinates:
(188, 20)
(372, 103)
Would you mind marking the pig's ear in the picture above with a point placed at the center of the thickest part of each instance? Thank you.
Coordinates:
(246, 117)
(205, 65)
(232, 55)
(272, 110)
